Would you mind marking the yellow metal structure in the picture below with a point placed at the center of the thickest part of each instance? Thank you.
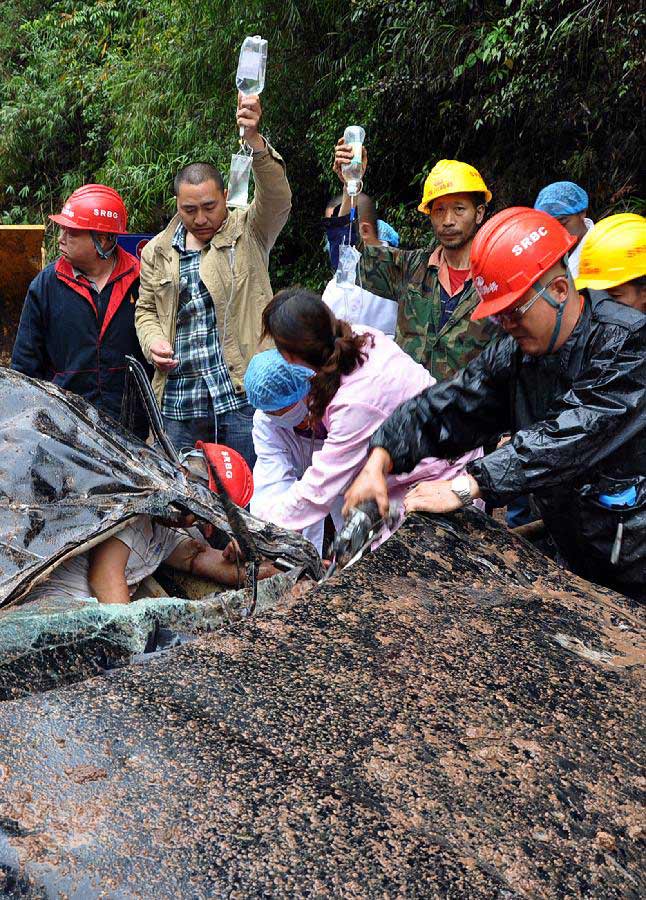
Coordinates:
(21, 259)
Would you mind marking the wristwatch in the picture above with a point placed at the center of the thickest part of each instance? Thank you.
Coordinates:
(462, 487)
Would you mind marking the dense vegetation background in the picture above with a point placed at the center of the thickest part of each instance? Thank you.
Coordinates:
(126, 91)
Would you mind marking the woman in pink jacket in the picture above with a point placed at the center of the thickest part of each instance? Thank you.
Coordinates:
(361, 376)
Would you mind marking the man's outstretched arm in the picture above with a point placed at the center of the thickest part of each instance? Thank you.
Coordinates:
(272, 201)
(204, 561)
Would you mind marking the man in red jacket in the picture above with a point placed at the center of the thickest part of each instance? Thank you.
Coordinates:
(77, 322)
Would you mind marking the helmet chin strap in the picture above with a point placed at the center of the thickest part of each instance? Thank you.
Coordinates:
(559, 307)
(103, 254)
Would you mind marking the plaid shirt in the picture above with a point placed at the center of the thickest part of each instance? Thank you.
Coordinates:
(201, 381)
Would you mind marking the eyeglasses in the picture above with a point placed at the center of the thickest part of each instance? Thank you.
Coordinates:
(516, 314)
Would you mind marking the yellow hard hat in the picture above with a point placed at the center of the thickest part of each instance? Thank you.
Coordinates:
(613, 252)
(449, 176)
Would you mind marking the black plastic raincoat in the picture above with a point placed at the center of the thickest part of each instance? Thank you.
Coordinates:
(578, 420)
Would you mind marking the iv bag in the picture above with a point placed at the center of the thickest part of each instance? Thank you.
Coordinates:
(238, 189)
(252, 62)
(354, 135)
(250, 77)
(346, 272)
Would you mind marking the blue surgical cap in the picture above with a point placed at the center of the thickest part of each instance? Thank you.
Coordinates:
(387, 233)
(272, 383)
(562, 198)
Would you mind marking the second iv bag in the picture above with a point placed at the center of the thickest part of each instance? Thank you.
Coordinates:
(238, 187)
(354, 135)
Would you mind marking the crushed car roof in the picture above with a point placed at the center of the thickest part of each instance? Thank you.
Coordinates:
(70, 476)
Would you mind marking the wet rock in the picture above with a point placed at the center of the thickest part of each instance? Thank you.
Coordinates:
(387, 735)
(606, 841)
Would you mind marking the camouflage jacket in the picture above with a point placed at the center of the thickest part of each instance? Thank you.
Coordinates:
(412, 278)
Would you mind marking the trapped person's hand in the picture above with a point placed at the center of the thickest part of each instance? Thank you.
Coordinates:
(161, 354)
(232, 552)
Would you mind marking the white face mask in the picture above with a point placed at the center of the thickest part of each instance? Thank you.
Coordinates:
(291, 417)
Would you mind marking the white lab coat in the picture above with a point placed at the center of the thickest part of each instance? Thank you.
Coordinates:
(283, 456)
(357, 306)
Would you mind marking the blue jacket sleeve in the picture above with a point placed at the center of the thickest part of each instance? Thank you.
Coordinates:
(337, 230)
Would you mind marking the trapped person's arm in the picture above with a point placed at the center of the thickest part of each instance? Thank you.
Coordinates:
(199, 558)
(107, 571)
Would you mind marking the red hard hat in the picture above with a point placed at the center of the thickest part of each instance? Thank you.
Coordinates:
(232, 468)
(510, 253)
(94, 207)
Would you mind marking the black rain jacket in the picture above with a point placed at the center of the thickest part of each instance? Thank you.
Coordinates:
(578, 420)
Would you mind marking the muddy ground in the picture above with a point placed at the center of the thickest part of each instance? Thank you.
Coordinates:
(452, 717)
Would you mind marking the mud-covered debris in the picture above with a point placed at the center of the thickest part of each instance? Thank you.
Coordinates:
(69, 477)
(384, 736)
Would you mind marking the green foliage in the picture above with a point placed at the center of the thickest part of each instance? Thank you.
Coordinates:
(54, 100)
(127, 92)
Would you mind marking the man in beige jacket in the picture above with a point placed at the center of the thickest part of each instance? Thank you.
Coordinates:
(204, 285)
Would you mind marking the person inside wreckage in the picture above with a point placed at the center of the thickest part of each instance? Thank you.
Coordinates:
(567, 381)
(112, 570)
(110, 508)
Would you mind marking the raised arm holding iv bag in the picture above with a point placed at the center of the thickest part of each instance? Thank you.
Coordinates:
(250, 79)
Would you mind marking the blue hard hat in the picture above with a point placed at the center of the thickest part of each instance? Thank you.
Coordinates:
(562, 198)
(272, 383)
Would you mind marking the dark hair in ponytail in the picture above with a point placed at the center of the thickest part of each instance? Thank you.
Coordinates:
(300, 323)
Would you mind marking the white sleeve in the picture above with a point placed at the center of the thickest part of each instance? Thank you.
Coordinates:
(136, 533)
(275, 470)
(355, 305)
